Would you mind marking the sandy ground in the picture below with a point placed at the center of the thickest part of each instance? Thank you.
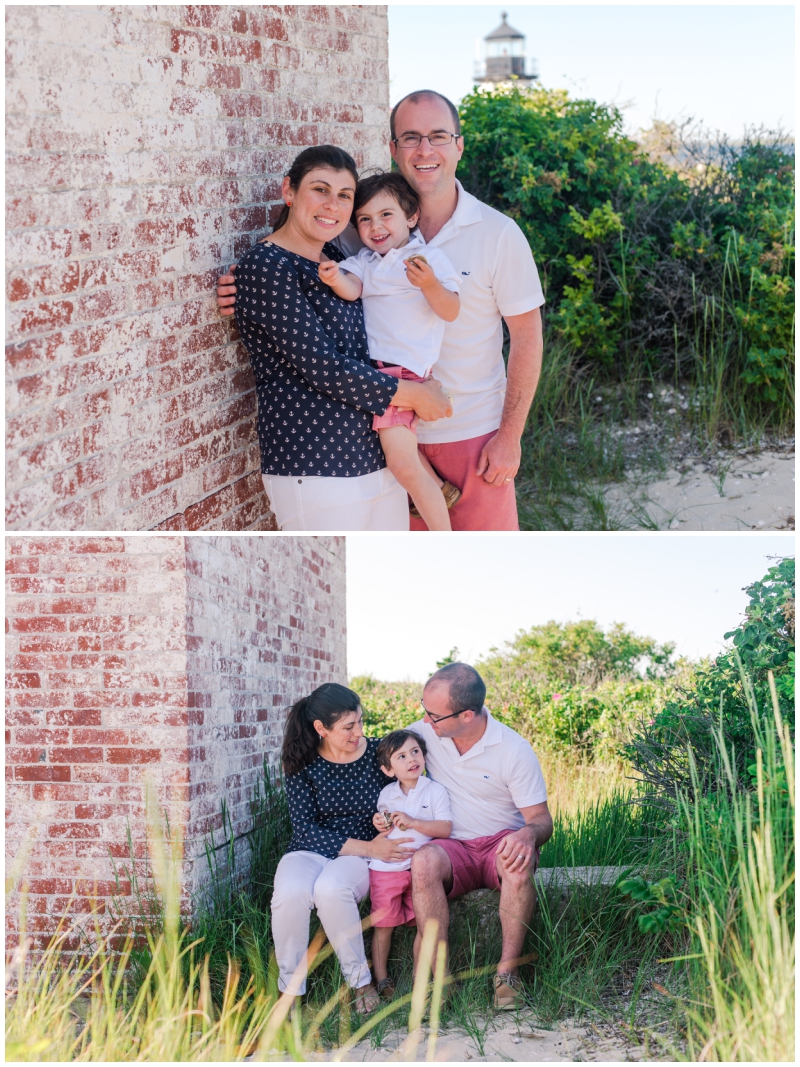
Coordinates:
(505, 1041)
(751, 492)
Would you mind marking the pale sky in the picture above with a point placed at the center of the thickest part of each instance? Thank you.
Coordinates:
(729, 65)
(411, 599)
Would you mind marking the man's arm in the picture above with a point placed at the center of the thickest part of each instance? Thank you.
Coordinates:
(500, 458)
(516, 850)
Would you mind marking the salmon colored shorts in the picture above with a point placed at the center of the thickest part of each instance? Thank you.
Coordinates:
(394, 416)
(390, 897)
(474, 862)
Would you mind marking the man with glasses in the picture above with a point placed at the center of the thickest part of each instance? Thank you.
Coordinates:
(498, 801)
(478, 448)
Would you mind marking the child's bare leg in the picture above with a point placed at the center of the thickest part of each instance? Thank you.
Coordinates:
(426, 463)
(381, 943)
(403, 459)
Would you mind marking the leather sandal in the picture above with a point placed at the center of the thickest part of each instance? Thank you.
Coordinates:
(508, 995)
(451, 494)
(386, 988)
(365, 999)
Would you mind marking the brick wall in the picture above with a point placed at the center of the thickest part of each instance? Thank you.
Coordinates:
(144, 151)
(166, 658)
(250, 656)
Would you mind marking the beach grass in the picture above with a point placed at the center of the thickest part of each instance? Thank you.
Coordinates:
(716, 985)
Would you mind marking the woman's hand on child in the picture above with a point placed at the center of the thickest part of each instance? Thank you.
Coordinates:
(329, 272)
(438, 404)
(390, 850)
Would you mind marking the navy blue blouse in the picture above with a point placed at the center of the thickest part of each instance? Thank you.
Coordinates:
(317, 391)
(330, 802)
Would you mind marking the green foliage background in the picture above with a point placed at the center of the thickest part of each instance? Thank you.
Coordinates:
(606, 695)
(722, 697)
(686, 270)
(564, 686)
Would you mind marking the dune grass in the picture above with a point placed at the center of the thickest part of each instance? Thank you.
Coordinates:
(718, 985)
(588, 429)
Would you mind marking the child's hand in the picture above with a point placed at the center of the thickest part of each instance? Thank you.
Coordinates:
(329, 272)
(382, 821)
(402, 821)
(420, 273)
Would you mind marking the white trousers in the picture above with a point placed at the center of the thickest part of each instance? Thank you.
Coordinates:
(374, 501)
(306, 880)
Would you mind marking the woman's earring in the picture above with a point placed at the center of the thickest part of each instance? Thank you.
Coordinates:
(288, 203)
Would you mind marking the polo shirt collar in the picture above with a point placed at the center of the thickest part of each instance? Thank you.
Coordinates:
(397, 789)
(492, 735)
(467, 213)
(416, 240)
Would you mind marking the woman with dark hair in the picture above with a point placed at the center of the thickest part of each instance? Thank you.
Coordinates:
(332, 782)
(321, 461)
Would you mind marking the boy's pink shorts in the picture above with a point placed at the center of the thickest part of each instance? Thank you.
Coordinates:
(394, 416)
(390, 897)
(474, 862)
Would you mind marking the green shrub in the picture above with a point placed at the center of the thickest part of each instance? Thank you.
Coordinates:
(719, 698)
(681, 267)
(562, 685)
(576, 686)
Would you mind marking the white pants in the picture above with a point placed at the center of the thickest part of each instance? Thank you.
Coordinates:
(306, 880)
(374, 501)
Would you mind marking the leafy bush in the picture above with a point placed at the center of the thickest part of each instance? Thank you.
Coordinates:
(719, 698)
(680, 265)
(573, 685)
(561, 685)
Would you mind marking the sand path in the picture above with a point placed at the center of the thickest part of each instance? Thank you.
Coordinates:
(751, 492)
(504, 1041)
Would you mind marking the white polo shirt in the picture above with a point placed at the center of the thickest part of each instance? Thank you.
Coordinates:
(488, 784)
(427, 800)
(401, 326)
(498, 277)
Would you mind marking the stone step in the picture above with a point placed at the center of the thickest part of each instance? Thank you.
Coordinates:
(475, 918)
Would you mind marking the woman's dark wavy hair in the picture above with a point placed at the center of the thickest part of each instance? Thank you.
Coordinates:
(300, 740)
(321, 155)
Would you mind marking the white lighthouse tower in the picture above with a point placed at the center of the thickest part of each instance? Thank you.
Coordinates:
(505, 62)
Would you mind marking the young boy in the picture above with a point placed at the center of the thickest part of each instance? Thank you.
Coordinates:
(412, 806)
(409, 291)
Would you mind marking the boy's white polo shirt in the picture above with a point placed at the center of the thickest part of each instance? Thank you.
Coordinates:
(427, 800)
(499, 279)
(488, 784)
(401, 326)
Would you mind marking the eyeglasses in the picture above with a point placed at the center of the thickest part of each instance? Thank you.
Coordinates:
(437, 140)
(440, 718)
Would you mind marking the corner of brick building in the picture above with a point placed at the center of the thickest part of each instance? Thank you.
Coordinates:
(145, 149)
(161, 660)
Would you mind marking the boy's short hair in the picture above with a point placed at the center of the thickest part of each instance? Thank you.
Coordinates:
(389, 182)
(393, 742)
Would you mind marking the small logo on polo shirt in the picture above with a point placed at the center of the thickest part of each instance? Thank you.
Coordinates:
(465, 273)
(486, 776)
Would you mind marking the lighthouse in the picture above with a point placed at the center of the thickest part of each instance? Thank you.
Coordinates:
(505, 62)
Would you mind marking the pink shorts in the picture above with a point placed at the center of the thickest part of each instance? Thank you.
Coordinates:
(390, 896)
(394, 416)
(482, 506)
(474, 862)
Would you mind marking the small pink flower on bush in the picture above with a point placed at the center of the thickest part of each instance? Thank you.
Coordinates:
(557, 696)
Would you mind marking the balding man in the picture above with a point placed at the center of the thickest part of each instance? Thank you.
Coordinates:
(478, 448)
(498, 801)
